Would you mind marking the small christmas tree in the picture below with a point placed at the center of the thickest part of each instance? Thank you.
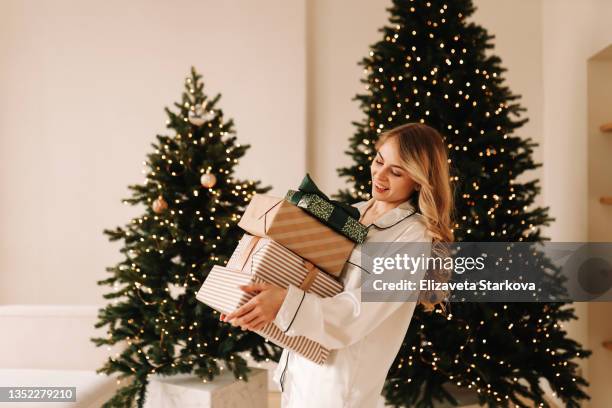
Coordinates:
(431, 67)
(192, 206)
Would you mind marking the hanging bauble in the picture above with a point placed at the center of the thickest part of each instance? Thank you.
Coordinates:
(160, 205)
(199, 115)
(208, 180)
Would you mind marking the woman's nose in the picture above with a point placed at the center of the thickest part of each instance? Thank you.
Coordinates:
(381, 175)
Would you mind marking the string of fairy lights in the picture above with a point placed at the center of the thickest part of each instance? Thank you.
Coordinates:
(477, 383)
(362, 190)
(167, 221)
(377, 82)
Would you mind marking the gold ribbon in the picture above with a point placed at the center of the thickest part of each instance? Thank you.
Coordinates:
(313, 271)
(244, 256)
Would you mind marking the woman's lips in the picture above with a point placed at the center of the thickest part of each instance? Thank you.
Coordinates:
(379, 188)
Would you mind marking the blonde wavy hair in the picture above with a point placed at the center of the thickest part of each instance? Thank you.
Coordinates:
(424, 154)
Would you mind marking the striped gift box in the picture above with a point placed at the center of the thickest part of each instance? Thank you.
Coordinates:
(297, 231)
(262, 260)
(277, 265)
(220, 291)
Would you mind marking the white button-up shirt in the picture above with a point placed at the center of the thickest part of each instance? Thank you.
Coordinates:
(364, 338)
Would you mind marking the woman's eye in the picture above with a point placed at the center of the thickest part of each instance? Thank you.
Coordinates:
(379, 162)
(395, 174)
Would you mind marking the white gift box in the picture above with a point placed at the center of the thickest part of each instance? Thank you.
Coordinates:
(224, 391)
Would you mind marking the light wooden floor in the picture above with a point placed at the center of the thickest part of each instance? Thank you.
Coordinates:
(274, 401)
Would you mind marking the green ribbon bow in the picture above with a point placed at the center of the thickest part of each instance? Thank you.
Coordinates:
(309, 187)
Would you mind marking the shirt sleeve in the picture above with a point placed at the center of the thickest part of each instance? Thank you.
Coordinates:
(339, 321)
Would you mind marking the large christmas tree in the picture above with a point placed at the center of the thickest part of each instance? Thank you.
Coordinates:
(431, 66)
(192, 204)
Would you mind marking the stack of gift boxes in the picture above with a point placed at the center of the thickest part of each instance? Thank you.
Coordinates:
(304, 239)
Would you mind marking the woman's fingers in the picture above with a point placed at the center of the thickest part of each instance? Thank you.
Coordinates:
(253, 320)
(258, 324)
(247, 307)
(248, 319)
(245, 321)
(254, 287)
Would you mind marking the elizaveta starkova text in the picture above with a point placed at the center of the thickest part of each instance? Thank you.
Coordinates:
(429, 284)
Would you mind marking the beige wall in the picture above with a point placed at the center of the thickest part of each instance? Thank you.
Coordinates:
(599, 151)
(339, 33)
(573, 33)
(599, 145)
(84, 85)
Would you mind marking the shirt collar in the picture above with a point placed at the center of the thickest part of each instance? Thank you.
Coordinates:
(389, 218)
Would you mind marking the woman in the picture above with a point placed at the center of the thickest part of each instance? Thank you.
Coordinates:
(411, 202)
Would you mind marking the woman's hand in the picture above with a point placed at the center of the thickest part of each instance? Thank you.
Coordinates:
(260, 310)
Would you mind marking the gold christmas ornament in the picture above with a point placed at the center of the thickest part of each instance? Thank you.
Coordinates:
(208, 180)
(160, 205)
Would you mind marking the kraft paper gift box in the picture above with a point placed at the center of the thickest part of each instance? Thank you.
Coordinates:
(262, 260)
(298, 231)
(341, 217)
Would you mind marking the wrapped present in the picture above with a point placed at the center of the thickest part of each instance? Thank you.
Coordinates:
(342, 217)
(220, 291)
(262, 260)
(293, 228)
(188, 390)
(276, 264)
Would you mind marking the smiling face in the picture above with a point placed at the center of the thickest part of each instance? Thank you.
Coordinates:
(390, 179)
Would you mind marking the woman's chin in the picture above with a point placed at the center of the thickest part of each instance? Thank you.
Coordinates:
(379, 195)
